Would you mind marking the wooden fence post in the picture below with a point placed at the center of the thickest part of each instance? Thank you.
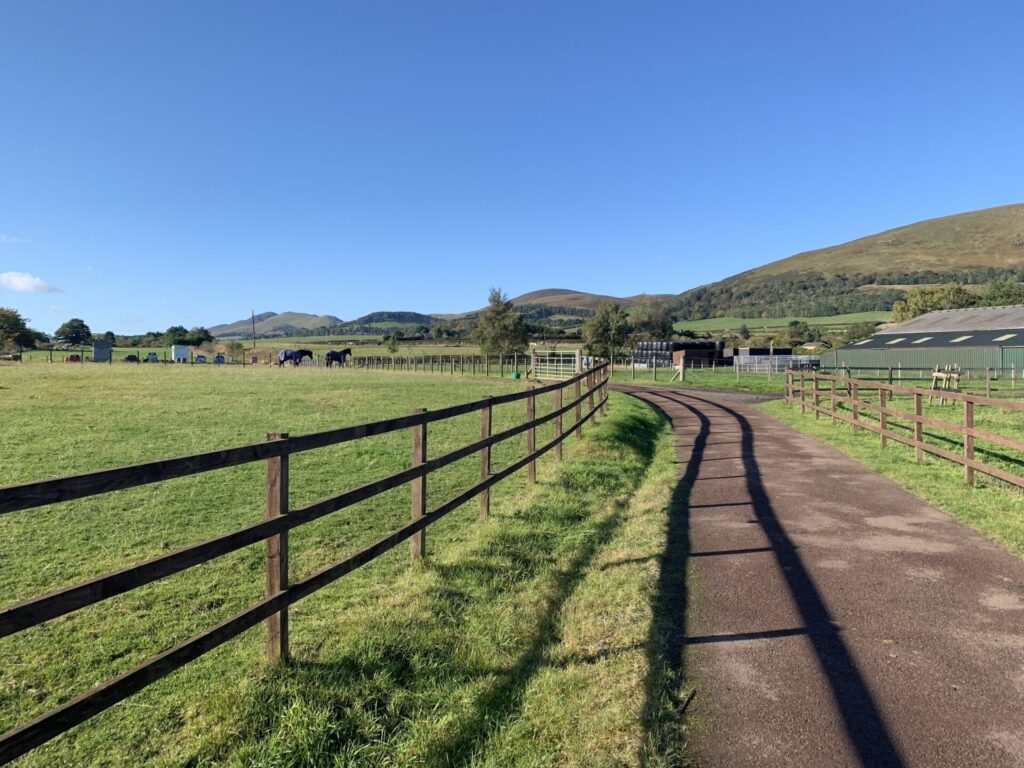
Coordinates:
(968, 441)
(854, 390)
(883, 420)
(832, 401)
(789, 387)
(531, 436)
(817, 397)
(275, 552)
(988, 382)
(603, 391)
(485, 457)
(417, 543)
(803, 386)
(590, 397)
(579, 410)
(918, 427)
(558, 424)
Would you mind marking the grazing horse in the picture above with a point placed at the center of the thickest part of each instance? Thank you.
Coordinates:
(340, 358)
(295, 355)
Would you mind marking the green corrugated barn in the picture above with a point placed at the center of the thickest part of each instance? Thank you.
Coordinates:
(985, 337)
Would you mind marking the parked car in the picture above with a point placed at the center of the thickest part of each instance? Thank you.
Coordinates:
(200, 358)
(73, 359)
(131, 358)
(218, 359)
(151, 357)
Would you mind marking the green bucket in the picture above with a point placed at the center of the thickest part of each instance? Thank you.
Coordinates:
(515, 374)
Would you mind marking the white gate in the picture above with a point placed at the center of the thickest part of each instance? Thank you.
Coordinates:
(555, 364)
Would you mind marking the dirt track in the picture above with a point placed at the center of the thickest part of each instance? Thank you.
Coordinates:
(829, 617)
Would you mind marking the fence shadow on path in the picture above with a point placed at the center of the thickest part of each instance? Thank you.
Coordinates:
(865, 727)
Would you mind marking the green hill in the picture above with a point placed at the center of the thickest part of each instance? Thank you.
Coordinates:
(870, 273)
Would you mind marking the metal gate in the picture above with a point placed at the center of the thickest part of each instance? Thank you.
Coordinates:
(555, 364)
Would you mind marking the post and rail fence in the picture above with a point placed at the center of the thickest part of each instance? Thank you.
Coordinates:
(841, 398)
(273, 530)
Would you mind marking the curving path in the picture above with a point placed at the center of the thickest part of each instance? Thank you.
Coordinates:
(830, 618)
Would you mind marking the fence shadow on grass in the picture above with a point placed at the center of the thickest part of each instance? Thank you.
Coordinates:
(374, 692)
(865, 727)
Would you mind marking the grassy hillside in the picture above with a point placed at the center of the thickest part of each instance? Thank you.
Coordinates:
(563, 297)
(769, 324)
(993, 237)
(870, 273)
(271, 323)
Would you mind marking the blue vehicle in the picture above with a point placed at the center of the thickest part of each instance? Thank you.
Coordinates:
(200, 358)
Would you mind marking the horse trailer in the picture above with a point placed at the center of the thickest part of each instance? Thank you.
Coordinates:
(180, 353)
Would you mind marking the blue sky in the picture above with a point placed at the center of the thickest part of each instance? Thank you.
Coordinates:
(187, 162)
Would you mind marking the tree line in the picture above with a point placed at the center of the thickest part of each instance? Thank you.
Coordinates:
(15, 334)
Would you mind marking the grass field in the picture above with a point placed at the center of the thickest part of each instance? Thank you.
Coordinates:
(767, 324)
(992, 507)
(720, 378)
(524, 639)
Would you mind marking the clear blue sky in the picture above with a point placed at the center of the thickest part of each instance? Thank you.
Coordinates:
(187, 162)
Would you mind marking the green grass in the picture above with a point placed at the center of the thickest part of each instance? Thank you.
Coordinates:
(764, 324)
(991, 507)
(719, 378)
(523, 639)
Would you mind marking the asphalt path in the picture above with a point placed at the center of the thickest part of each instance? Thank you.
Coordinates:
(827, 617)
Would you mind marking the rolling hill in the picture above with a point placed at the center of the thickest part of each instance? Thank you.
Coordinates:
(869, 273)
(554, 306)
(275, 324)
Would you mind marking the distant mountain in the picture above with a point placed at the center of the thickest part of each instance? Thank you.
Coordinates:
(871, 272)
(398, 318)
(274, 324)
(555, 306)
(564, 297)
(576, 303)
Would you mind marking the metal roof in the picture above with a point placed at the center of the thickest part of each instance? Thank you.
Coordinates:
(962, 320)
(1003, 337)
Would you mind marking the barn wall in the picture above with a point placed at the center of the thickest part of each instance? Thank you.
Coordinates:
(965, 357)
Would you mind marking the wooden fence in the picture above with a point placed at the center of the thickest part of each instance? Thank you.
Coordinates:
(473, 365)
(273, 531)
(842, 399)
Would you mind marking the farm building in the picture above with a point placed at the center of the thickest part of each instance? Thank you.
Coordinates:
(983, 337)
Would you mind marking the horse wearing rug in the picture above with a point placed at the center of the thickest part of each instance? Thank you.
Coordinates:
(295, 355)
(340, 358)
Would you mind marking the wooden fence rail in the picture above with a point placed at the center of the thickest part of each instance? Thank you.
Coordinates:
(273, 530)
(805, 388)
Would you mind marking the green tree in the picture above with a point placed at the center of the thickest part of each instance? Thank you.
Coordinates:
(236, 350)
(607, 333)
(1002, 292)
(74, 333)
(176, 334)
(198, 335)
(500, 330)
(110, 337)
(744, 332)
(922, 300)
(651, 321)
(858, 331)
(392, 341)
(13, 329)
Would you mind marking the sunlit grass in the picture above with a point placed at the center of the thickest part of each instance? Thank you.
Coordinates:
(468, 655)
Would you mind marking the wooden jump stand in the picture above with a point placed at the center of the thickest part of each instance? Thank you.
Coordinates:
(945, 380)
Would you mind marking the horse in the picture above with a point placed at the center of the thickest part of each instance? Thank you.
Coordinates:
(340, 358)
(295, 355)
